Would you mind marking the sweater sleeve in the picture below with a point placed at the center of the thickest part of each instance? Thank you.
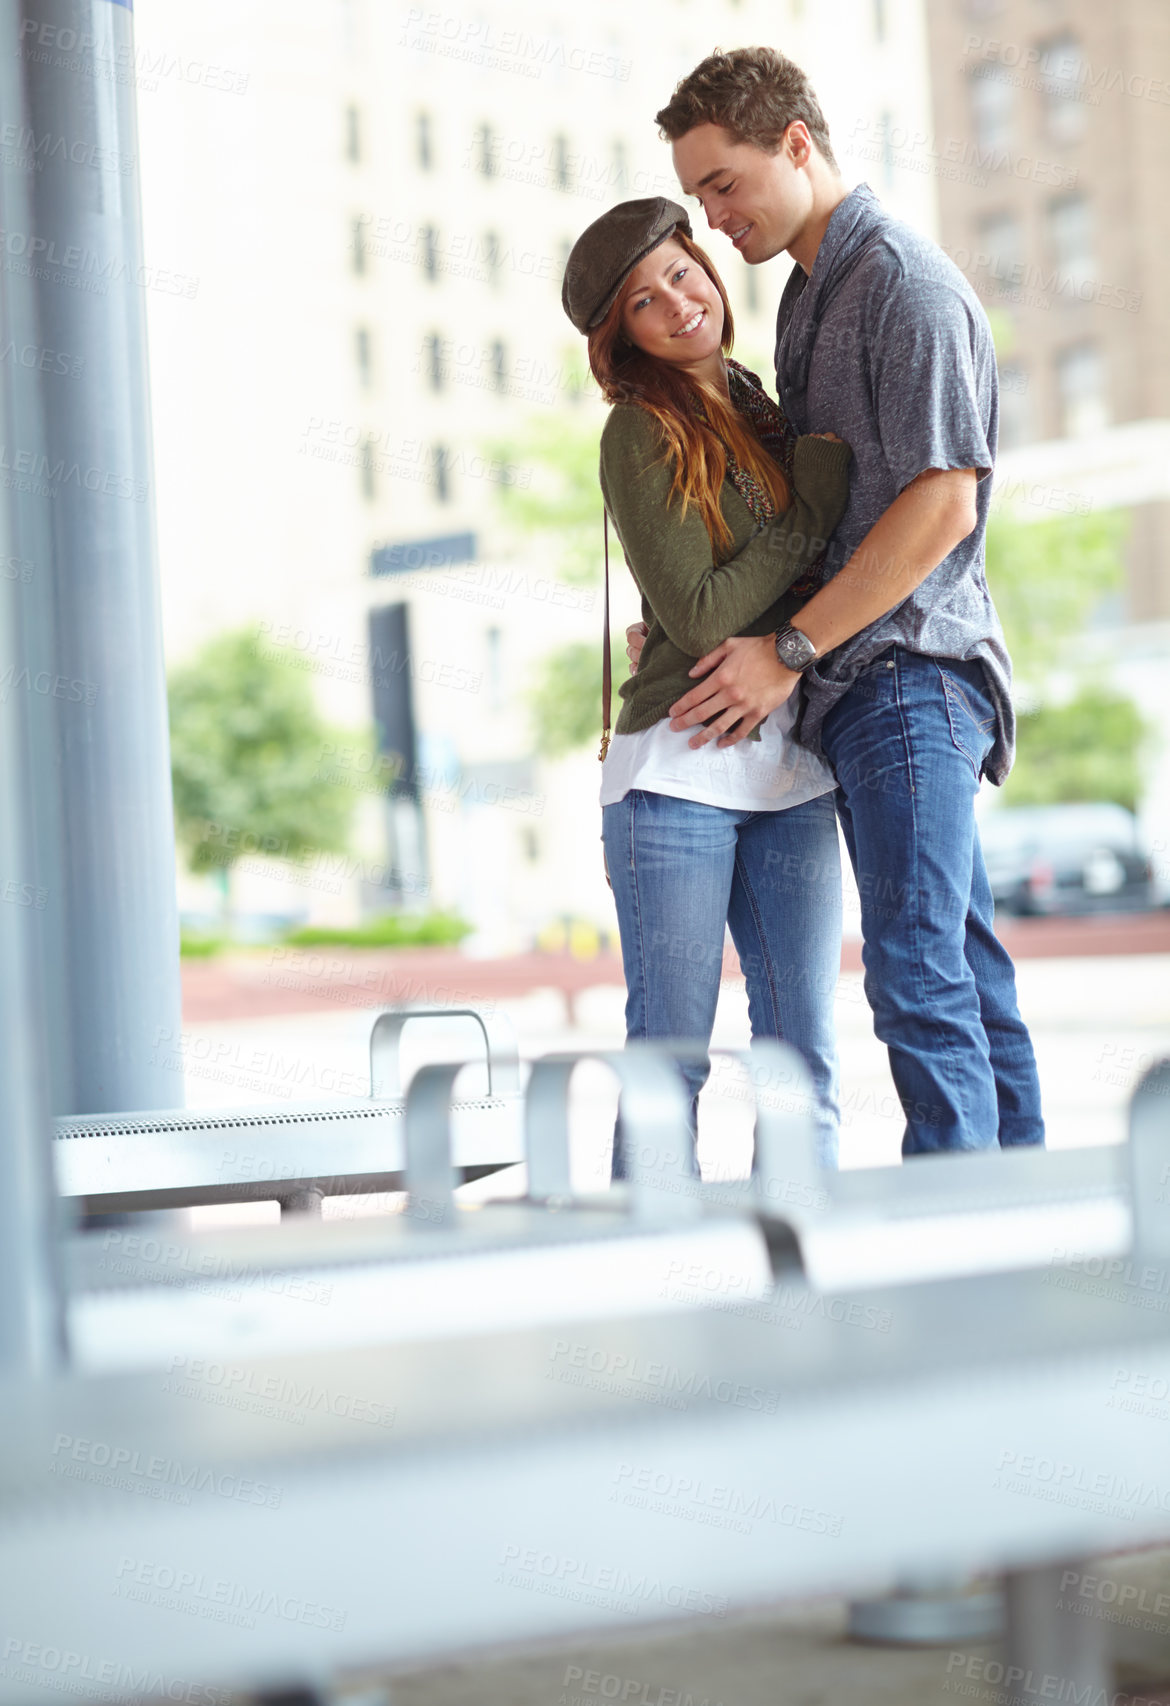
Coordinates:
(697, 601)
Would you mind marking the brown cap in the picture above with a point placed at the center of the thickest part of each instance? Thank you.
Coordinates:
(607, 251)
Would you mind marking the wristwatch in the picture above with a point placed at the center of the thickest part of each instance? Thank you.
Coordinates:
(794, 649)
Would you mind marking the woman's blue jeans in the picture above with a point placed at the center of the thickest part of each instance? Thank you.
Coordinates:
(682, 872)
(907, 744)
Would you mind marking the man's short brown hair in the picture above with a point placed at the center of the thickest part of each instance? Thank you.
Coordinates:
(753, 93)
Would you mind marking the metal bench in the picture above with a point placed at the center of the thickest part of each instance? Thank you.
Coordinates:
(939, 1216)
(141, 1298)
(839, 1232)
(475, 1484)
(296, 1153)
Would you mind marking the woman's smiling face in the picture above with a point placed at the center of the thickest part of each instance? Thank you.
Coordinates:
(672, 310)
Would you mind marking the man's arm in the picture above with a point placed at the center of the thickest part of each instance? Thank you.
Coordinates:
(908, 541)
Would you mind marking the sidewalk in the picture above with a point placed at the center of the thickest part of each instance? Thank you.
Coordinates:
(796, 1655)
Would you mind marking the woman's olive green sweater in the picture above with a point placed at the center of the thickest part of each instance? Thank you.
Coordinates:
(692, 601)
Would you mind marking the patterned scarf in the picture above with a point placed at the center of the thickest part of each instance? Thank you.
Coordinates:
(771, 427)
(775, 432)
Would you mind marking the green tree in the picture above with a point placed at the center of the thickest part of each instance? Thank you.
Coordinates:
(1088, 749)
(565, 699)
(247, 748)
(557, 504)
(1047, 579)
(557, 514)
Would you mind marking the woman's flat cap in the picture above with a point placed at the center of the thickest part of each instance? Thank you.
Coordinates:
(607, 251)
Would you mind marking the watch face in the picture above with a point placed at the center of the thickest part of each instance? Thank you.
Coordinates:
(795, 650)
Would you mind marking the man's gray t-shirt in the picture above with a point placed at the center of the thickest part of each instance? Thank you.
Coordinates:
(885, 343)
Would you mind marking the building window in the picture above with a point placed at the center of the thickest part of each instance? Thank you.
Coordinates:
(1070, 238)
(441, 473)
(620, 167)
(498, 365)
(561, 166)
(364, 353)
(485, 150)
(353, 134)
(1063, 75)
(879, 20)
(424, 141)
(368, 470)
(751, 286)
(1015, 415)
(429, 238)
(1080, 384)
(494, 646)
(433, 364)
(490, 249)
(357, 244)
(999, 240)
(993, 105)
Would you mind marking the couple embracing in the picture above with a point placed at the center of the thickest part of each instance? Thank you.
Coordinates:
(818, 640)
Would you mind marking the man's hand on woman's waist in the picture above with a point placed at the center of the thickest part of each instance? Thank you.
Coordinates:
(753, 685)
(744, 681)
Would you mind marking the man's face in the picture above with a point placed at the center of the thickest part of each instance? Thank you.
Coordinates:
(759, 201)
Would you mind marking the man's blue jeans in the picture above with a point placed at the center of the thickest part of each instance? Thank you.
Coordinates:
(907, 744)
(681, 873)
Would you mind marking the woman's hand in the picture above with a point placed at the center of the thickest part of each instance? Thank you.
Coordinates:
(635, 639)
(831, 436)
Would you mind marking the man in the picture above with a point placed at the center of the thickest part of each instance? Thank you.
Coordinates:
(899, 655)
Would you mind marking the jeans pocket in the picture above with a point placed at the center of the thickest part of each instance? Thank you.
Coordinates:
(874, 686)
(970, 716)
(875, 673)
(877, 664)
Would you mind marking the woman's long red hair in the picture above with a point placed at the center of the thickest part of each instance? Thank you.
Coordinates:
(697, 448)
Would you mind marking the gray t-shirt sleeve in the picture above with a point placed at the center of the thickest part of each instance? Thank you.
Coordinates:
(932, 390)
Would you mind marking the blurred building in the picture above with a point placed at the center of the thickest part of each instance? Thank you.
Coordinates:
(1050, 144)
(371, 205)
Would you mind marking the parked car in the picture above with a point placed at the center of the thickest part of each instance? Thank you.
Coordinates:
(1073, 858)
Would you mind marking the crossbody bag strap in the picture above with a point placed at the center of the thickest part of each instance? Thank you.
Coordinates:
(606, 658)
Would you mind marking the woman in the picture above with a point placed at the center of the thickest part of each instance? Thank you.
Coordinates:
(717, 534)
